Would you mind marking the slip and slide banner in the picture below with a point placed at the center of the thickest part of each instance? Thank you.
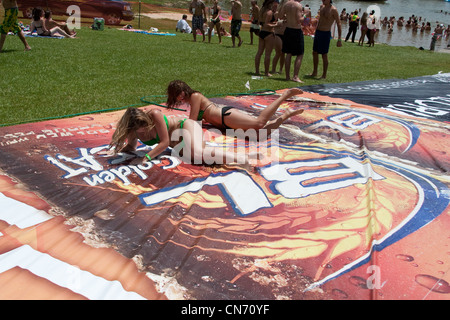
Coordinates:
(356, 205)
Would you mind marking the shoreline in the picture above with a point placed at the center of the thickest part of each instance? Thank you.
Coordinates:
(174, 14)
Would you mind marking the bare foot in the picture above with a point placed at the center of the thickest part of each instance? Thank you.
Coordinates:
(296, 79)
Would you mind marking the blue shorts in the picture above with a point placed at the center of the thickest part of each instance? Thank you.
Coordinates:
(322, 41)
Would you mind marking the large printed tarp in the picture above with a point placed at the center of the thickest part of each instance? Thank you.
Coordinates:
(424, 97)
(354, 205)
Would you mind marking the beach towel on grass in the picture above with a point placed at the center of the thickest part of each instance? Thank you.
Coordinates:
(154, 32)
(35, 35)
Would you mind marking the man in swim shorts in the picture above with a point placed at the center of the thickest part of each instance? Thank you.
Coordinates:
(198, 10)
(293, 41)
(254, 27)
(10, 23)
(236, 21)
(322, 37)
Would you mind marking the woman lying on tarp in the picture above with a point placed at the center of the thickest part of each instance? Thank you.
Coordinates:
(153, 128)
(201, 108)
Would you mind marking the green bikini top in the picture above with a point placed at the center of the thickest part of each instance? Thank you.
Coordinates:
(200, 115)
(201, 112)
(156, 140)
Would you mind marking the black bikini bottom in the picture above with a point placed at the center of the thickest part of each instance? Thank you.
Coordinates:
(224, 114)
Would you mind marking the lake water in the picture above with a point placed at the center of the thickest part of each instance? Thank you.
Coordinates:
(433, 11)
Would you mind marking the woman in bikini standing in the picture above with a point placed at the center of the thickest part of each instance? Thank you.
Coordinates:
(201, 108)
(363, 28)
(278, 43)
(215, 21)
(266, 35)
(154, 128)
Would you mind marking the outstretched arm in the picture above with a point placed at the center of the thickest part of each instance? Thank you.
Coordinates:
(163, 134)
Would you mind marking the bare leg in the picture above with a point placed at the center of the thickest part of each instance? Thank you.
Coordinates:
(218, 32)
(68, 31)
(2, 41)
(240, 41)
(274, 124)
(193, 140)
(282, 58)
(210, 31)
(240, 120)
(297, 65)
(277, 46)
(315, 63)
(287, 66)
(58, 30)
(24, 41)
(259, 54)
(325, 65)
(268, 51)
(268, 112)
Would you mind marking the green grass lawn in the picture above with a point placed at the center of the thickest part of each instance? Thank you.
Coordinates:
(113, 69)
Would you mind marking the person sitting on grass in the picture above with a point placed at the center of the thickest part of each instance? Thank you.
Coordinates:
(39, 25)
(183, 26)
(49, 24)
(201, 108)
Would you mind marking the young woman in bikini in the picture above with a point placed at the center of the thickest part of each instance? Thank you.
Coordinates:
(266, 41)
(154, 128)
(39, 24)
(201, 108)
(215, 21)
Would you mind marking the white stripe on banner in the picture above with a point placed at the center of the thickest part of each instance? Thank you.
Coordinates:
(20, 214)
(65, 275)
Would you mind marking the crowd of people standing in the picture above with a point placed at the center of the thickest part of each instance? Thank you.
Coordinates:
(279, 27)
(282, 28)
(370, 25)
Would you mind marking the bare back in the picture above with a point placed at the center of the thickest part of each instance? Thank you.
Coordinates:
(328, 15)
(292, 10)
(236, 10)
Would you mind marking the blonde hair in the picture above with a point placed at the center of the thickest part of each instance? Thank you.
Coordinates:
(131, 120)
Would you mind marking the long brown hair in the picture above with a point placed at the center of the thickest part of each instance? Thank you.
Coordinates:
(267, 5)
(174, 89)
(131, 120)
